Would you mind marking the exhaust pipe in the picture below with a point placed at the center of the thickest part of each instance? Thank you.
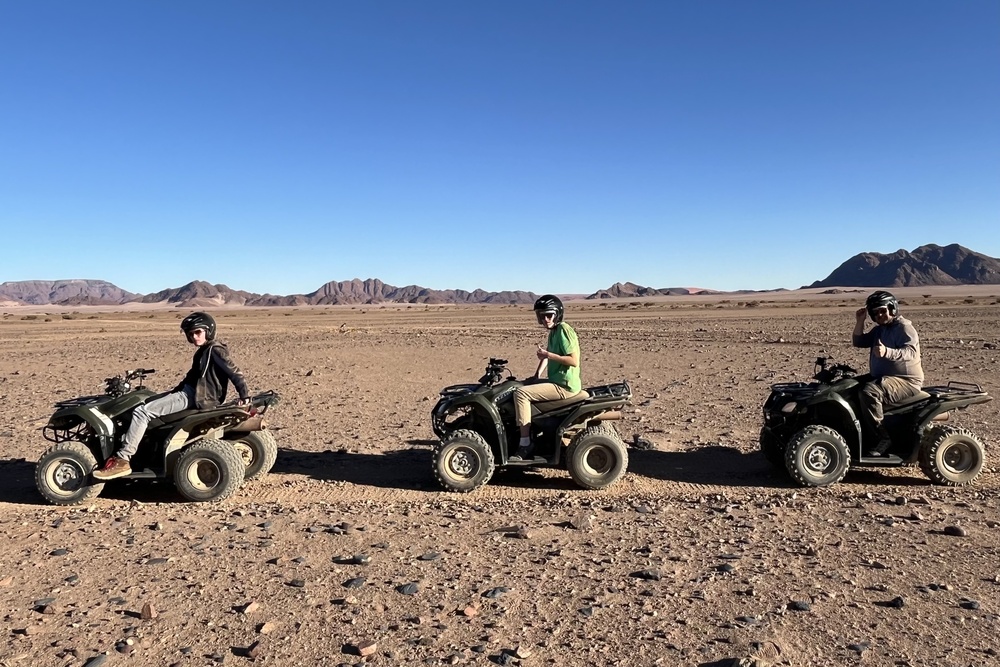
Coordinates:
(606, 417)
(255, 423)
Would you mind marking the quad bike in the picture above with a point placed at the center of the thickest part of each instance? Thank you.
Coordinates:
(477, 431)
(207, 453)
(813, 429)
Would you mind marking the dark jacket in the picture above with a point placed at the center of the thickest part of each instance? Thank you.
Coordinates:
(211, 371)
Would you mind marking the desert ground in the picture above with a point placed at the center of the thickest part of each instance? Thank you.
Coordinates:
(741, 567)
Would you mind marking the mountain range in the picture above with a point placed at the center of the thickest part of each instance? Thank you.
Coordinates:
(926, 265)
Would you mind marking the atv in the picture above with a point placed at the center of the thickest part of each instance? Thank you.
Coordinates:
(477, 431)
(813, 430)
(207, 453)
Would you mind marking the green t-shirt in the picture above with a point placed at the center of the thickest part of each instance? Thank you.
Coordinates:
(563, 341)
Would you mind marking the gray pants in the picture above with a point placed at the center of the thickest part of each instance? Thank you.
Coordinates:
(164, 405)
(884, 391)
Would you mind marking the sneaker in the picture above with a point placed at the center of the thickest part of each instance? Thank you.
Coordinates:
(881, 448)
(113, 468)
(522, 454)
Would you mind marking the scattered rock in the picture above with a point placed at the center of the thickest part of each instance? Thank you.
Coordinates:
(148, 612)
(249, 607)
(356, 582)
(956, 531)
(497, 592)
(799, 605)
(648, 575)
(408, 589)
(430, 555)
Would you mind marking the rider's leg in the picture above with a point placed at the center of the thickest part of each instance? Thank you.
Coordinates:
(523, 398)
(165, 405)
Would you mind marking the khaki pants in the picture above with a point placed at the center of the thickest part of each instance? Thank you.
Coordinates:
(884, 391)
(534, 393)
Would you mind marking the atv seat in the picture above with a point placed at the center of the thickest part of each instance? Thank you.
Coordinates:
(916, 398)
(171, 418)
(551, 406)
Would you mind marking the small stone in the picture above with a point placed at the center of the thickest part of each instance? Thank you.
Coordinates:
(6, 581)
(725, 568)
(359, 559)
(897, 602)
(59, 552)
(96, 661)
(582, 521)
(249, 607)
(522, 652)
(430, 555)
(148, 612)
(297, 583)
(356, 582)
(972, 605)
(470, 611)
(408, 589)
(859, 648)
(265, 628)
(48, 609)
(956, 531)
(497, 592)
(156, 561)
(799, 605)
(901, 500)
(587, 612)
(648, 575)
(366, 648)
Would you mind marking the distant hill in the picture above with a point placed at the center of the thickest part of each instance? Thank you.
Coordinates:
(370, 291)
(631, 290)
(927, 265)
(64, 292)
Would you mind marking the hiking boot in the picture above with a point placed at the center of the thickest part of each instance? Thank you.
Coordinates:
(113, 468)
(522, 454)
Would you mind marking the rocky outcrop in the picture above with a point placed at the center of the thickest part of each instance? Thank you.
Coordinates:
(927, 265)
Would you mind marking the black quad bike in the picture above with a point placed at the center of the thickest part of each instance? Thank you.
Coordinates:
(207, 453)
(476, 425)
(814, 429)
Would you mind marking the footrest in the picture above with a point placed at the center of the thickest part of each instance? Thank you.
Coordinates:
(888, 461)
(533, 461)
(145, 473)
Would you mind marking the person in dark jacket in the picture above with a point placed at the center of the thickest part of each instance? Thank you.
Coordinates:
(203, 387)
(894, 358)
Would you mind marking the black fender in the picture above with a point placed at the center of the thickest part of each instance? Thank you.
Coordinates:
(479, 405)
(833, 410)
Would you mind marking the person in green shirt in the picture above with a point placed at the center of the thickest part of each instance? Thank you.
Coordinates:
(560, 359)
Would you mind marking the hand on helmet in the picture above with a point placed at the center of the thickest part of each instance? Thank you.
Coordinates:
(861, 314)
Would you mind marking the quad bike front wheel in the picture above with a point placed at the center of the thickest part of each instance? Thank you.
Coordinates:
(817, 456)
(597, 457)
(63, 474)
(951, 456)
(259, 451)
(463, 461)
(209, 471)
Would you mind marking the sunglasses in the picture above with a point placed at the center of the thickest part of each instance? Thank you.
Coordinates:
(880, 311)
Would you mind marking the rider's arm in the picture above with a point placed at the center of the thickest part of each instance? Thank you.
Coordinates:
(904, 345)
(221, 359)
(571, 359)
(859, 338)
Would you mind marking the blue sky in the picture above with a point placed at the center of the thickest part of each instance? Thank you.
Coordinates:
(544, 146)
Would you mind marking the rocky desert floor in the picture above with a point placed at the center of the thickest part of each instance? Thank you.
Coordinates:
(702, 555)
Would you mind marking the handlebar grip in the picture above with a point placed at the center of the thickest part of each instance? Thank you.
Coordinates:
(145, 371)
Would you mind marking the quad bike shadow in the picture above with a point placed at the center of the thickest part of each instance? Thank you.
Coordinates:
(401, 469)
(710, 465)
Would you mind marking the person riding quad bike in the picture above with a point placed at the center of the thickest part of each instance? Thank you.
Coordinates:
(204, 386)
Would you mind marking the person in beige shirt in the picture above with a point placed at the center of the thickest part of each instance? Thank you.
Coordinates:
(894, 359)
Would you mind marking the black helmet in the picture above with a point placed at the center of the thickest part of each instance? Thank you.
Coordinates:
(878, 300)
(549, 304)
(199, 320)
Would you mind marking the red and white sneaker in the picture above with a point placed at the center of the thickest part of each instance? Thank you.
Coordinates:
(113, 468)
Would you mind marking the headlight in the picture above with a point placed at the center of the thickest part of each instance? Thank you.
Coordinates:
(788, 408)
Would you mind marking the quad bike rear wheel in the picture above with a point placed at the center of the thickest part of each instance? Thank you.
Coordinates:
(597, 457)
(209, 471)
(951, 456)
(259, 451)
(817, 456)
(63, 474)
(463, 461)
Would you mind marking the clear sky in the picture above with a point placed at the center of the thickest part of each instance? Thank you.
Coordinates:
(551, 146)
